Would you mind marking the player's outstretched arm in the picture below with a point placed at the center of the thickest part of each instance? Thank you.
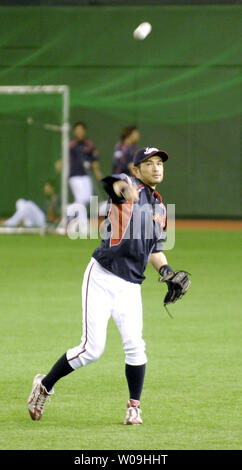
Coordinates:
(97, 171)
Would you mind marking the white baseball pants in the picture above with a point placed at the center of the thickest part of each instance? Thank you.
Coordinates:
(104, 295)
(27, 212)
(81, 187)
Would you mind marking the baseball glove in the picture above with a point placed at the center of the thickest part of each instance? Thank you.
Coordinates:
(177, 283)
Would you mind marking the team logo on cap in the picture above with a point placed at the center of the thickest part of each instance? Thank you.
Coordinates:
(149, 150)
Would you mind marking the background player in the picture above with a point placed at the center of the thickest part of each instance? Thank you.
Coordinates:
(30, 215)
(112, 281)
(125, 149)
(52, 203)
(83, 157)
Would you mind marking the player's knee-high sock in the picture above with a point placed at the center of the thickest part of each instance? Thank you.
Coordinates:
(135, 377)
(59, 370)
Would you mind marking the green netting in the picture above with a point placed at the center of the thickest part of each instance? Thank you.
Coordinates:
(182, 86)
(30, 143)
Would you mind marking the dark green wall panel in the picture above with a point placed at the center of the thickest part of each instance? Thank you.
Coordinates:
(182, 86)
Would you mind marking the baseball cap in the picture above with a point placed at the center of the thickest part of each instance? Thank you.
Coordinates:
(147, 152)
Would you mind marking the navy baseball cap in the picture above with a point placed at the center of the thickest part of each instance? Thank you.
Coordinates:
(147, 152)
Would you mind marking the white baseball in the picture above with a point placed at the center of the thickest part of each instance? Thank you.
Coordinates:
(142, 31)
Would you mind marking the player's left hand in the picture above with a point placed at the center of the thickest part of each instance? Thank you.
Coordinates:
(177, 283)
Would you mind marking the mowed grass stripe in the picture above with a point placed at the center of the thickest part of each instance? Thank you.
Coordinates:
(192, 392)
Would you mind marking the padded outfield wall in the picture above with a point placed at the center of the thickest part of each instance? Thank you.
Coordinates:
(181, 86)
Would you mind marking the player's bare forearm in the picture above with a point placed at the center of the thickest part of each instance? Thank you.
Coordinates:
(97, 171)
(158, 260)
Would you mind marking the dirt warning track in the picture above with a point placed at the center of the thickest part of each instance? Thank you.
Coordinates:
(207, 224)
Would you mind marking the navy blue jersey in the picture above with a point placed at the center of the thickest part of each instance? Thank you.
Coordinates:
(123, 155)
(131, 230)
(82, 154)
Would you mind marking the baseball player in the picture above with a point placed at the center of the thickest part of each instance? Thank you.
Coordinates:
(132, 236)
(125, 150)
(83, 156)
(30, 215)
(27, 213)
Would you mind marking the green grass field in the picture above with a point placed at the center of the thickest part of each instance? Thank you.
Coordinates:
(192, 392)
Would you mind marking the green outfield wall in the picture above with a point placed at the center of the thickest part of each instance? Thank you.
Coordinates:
(181, 86)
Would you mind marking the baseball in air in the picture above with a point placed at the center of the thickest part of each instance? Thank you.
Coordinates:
(142, 31)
